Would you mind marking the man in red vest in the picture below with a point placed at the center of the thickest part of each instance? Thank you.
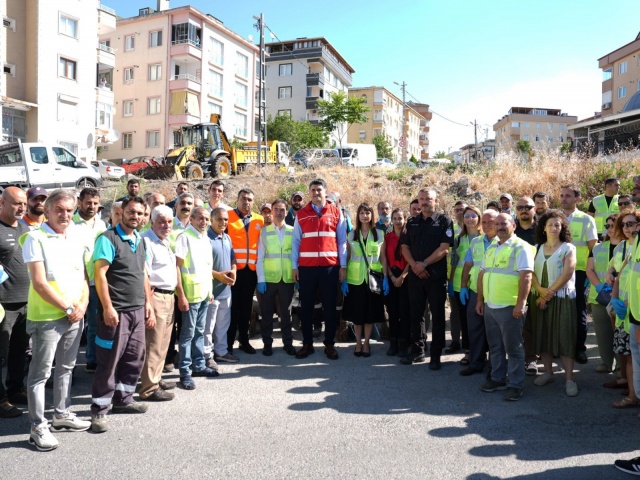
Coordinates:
(319, 260)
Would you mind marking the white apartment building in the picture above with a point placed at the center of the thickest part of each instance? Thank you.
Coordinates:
(175, 67)
(299, 73)
(50, 90)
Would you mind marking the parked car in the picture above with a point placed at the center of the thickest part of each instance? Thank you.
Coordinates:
(358, 154)
(385, 163)
(136, 164)
(109, 170)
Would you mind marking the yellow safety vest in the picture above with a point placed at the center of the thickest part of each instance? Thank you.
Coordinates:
(633, 280)
(501, 278)
(177, 230)
(356, 267)
(600, 265)
(277, 256)
(64, 269)
(461, 250)
(477, 251)
(620, 254)
(603, 210)
(196, 283)
(579, 226)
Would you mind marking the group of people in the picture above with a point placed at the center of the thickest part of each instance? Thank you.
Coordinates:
(186, 272)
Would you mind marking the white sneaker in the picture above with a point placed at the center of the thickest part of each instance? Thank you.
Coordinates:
(42, 439)
(69, 422)
(571, 389)
(544, 379)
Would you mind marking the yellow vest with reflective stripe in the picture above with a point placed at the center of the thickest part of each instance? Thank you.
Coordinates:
(197, 281)
(620, 254)
(356, 268)
(633, 280)
(600, 265)
(501, 279)
(461, 250)
(277, 257)
(477, 251)
(603, 210)
(579, 226)
(64, 270)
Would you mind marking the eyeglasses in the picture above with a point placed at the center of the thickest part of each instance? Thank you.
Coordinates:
(520, 208)
(609, 225)
(470, 215)
(629, 224)
(624, 204)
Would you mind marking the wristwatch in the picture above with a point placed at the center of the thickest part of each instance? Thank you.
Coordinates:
(69, 310)
(425, 263)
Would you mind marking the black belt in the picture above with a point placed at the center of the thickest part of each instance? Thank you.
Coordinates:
(164, 292)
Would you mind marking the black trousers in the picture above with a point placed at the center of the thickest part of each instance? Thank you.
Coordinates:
(478, 345)
(397, 303)
(419, 291)
(241, 306)
(464, 329)
(14, 341)
(581, 312)
(326, 280)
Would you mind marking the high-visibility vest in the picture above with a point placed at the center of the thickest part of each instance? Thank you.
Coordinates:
(90, 233)
(600, 265)
(319, 241)
(195, 272)
(457, 229)
(633, 280)
(620, 254)
(277, 256)
(357, 272)
(245, 243)
(603, 210)
(501, 278)
(477, 252)
(64, 270)
(177, 230)
(579, 226)
(463, 246)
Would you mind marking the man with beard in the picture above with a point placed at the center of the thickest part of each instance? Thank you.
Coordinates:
(182, 187)
(133, 189)
(541, 201)
(125, 308)
(525, 222)
(296, 204)
(384, 217)
(34, 217)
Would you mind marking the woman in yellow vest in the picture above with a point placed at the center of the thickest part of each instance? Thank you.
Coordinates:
(471, 228)
(597, 265)
(363, 307)
(553, 298)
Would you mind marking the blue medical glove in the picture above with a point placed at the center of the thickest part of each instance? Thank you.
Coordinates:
(619, 307)
(464, 295)
(344, 288)
(385, 286)
(262, 287)
(451, 292)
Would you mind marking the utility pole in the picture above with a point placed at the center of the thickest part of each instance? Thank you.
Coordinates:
(475, 136)
(262, 106)
(403, 135)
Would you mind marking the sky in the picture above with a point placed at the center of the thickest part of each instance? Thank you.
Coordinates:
(470, 60)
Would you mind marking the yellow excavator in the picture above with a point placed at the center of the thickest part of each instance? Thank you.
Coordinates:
(204, 150)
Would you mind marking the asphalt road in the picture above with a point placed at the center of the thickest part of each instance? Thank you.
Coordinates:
(278, 417)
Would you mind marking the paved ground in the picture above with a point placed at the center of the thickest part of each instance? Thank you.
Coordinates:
(278, 417)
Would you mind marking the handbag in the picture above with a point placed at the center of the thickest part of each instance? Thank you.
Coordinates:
(375, 278)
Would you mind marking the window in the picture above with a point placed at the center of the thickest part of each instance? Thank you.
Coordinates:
(284, 112)
(127, 108)
(64, 157)
(127, 140)
(309, 91)
(550, 126)
(215, 87)
(129, 43)
(606, 97)
(155, 39)
(607, 74)
(284, 92)
(128, 75)
(241, 125)
(67, 68)
(286, 69)
(537, 125)
(241, 95)
(155, 72)
(185, 33)
(153, 139)
(103, 115)
(561, 139)
(622, 68)
(153, 106)
(39, 155)
(363, 134)
(525, 137)
(68, 26)
(549, 139)
(537, 138)
(9, 69)
(525, 124)
(515, 124)
(67, 109)
(9, 23)
(215, 108)
(622, 92)
(561, 126)
(216, 51)
(242, 65)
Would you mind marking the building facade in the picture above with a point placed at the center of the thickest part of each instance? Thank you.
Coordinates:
(423, 137)
(620, 76)
(385, 118)
(50, 89)
(176, 67)
(299, 73)
(544, 128)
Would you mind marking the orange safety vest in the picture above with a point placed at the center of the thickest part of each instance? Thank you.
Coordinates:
(245, 243)
(319, 242)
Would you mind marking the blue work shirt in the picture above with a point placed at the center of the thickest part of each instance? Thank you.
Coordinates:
(104, 249)
(223, 257)
(341, 238)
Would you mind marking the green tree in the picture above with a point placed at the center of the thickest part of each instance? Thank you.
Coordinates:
(383, 148)
(342, 110)
(440, 154)
(298, 134)
(565, 148)
(523, 146)
(413, 159)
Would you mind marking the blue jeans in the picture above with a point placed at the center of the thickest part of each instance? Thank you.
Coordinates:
(635, 356)
(504, 334)
(191, 341)
(90, 320)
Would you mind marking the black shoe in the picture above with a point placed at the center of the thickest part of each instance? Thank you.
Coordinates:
(247, 348)
(629, 466)
(90, 367)
(469, 371)
(290, 349)
(160, 395)
(452, 348)
(356, 353)
(206, 372)
(413, 358)
(18, 398)
(403, 352)
(435, 364)
(168, 368)
(165, 385)
(267, 350)
(581, 358)
(305, 351)
(393, 348)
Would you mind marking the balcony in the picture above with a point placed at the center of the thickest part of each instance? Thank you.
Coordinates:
(106, 19)
(312, 103)
(106, 56)
(186, 81)
(186, 47)
(515, 132)
(315, 80)
(183, 119)
(378, 120)
(104, 95)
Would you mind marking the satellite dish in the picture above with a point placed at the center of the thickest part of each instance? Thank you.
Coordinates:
(90, 140)
(112, 137)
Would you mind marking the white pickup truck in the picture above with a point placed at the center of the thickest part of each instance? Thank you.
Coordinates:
(43, 165)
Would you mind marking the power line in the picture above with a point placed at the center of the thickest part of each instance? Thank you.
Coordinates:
(285, 49)
(441, 116)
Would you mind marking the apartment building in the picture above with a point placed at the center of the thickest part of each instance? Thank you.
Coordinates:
(544, 128)
(50, 90)
(300, 72)
(175, 67)
(423, 137)
(620, 76)
(385, 118)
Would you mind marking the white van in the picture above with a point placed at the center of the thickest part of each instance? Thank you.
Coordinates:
(359, 154)
(42, 165)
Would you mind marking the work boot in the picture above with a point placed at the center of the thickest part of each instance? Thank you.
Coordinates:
(393, 347)
(403, 348)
